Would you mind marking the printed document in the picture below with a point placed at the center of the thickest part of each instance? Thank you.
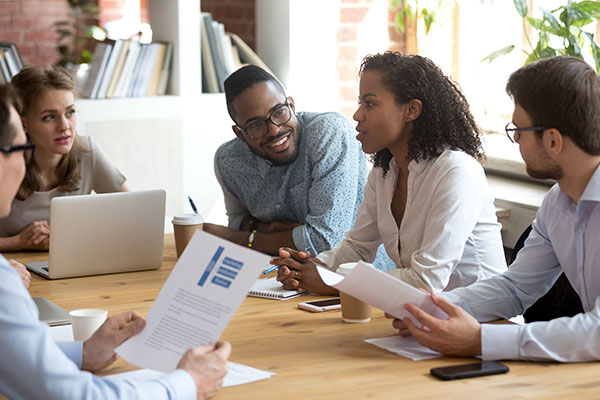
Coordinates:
(381, 290)
(206, 287)
(237, 374)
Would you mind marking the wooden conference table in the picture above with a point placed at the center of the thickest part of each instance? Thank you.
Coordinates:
(316, 355)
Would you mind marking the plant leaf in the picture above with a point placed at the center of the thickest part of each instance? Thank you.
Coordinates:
(587, 7)
(498, 53)
(595, 50)
(399, 25)
(522, 8)
(428, 19)
(548, 17)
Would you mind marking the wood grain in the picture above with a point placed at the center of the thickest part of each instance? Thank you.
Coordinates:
(316, 355)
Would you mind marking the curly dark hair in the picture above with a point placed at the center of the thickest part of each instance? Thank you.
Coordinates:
(445, 121)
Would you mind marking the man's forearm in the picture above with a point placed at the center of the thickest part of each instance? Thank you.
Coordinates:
(268, 243)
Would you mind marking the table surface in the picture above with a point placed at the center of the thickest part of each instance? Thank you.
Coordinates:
(316, 355)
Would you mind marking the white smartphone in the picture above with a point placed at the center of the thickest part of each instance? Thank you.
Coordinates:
(321, 305)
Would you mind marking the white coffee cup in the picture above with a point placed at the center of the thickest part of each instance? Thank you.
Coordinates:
(86, 321)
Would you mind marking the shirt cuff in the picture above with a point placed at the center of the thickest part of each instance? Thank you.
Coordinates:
(73, 350)
(302, 240)
(181, 383)
(500, 341)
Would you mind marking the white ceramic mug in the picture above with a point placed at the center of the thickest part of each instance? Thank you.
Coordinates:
(86, 321)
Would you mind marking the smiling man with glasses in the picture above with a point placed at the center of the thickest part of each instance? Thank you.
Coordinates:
(289, 179)
(556, 122)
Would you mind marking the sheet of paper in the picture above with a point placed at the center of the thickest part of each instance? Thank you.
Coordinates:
(381, 290)
(61, 333)
(405, 346)
(237, 374)
(206, 287)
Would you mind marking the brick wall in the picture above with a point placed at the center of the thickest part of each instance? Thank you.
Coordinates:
(352, 15)
(30, 24)
(238, 16)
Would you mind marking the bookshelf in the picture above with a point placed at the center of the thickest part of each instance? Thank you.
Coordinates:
(167, 141)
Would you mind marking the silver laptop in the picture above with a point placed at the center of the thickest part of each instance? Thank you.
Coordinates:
(50, 313)
(104, 233)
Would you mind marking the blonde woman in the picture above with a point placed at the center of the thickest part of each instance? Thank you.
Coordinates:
(62, 163)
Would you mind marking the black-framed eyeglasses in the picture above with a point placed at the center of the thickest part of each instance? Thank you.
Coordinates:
(26, 148)
(259, 128)
(17, 147)
(514, 133)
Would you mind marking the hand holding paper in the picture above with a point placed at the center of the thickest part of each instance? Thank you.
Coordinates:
(381, 290)
(207, 285)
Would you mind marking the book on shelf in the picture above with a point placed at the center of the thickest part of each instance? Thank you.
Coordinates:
(215, 50)
(127, 68)
(165, 69)
(210, 83)
(96, 71)
(247, 55)
(5, 75)
(11, 63)
(222, 54)
(156, 70)
(109, 70)
(127, 72)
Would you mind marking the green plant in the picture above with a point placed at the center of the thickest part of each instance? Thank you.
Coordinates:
(75, 35)
(409, 10)
(563, 24)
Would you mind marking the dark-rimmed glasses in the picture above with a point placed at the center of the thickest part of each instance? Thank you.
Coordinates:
(26, 148)
(259, 128)
(514, 133)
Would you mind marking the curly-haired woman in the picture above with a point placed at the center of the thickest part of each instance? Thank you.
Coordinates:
(426, 198)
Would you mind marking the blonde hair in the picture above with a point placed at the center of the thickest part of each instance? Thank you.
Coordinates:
(32, 82)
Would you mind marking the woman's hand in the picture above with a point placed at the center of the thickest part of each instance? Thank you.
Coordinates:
(299, 271)
(35, 236)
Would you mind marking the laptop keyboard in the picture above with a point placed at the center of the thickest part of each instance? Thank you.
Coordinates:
(45, 269)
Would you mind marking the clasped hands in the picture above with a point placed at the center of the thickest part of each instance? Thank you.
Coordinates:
(298, 271)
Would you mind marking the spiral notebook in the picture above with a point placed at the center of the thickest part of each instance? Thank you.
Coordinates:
(271, 289)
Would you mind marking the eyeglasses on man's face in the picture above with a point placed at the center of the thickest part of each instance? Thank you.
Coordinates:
(26, 148)
(514, 133)
(259, 128)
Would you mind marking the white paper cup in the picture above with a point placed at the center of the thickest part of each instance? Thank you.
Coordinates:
(86, 321)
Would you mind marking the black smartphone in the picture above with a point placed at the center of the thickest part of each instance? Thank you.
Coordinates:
(469, 370)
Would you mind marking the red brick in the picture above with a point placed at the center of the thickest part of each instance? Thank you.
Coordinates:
(12, 36)
(10, 7)
(353, 14)
(39, 35)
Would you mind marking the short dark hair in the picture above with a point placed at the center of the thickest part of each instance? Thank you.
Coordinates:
(8, 99)
(445, 120)
(561, 92)
(245, 78)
